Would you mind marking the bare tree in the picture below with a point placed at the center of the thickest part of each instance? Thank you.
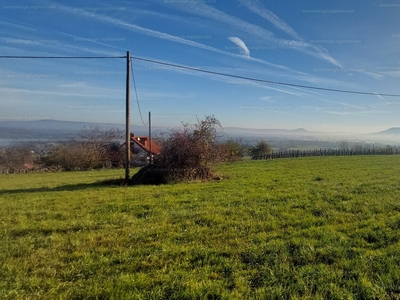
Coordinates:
(357, 147)
(344, 145)
(15, 158)
(99, 135)
(187, 153)
(93, 149)
(97, 144)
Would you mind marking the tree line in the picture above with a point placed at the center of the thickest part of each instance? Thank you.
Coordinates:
(188, 152)
(187, 147)
(93, 148)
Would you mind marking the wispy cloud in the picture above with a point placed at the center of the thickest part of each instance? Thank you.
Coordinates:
(299, 43)
(86, 91)
(172, 38)
(30, 36)
(294, 91)
(302, 93)
(165, 36)
(392, 73)
(237, 41)
(271, 17)
(286, 71)
(379, 96)
(262, 34)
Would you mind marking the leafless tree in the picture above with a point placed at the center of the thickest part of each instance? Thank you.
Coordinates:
(92, 150)
(15, 158)
(187, 152)
(344, 145)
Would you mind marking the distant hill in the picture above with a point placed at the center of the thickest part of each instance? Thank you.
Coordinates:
(254, 130)
(299, 130)
(54, 130)
(58, 125)
(390, 131)
(251, 132)
(74, 127)
(12, 132)
(67, 125)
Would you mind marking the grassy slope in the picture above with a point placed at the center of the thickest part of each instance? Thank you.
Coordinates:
(312, 228)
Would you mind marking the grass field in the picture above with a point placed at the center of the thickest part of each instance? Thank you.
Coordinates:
(309, 228)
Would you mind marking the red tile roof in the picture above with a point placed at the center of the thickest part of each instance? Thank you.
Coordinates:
(146, 144)
(29, 166)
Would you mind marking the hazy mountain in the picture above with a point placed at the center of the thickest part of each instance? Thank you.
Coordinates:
(299, 130)
(390, 131)
(262, 131)
(60, 125)
(12, 132)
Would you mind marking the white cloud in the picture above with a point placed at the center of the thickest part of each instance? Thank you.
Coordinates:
(257, 31)
(392, 73)
(379, 96)
(271, 17)
(237, 41)
(165, 36)
(169, 37)
(48, 47)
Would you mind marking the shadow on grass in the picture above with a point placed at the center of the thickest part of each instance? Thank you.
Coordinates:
(68, 187)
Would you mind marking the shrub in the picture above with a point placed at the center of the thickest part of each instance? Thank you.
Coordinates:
(235, 149)
(15, 158)
(186, 154)
(92, 150)
(260, 150)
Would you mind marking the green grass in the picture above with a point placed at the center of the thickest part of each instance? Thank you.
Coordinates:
(307, 228)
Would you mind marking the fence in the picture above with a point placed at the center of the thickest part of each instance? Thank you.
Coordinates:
(6, 171)
(273, 155)
(25, 171)
(330, 152)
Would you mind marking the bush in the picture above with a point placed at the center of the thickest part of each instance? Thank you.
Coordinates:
(15, 158)
(186, 154)
(235, 149)
(93, 150)
(260, 150)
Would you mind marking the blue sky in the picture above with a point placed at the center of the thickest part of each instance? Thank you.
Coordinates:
(351, 45)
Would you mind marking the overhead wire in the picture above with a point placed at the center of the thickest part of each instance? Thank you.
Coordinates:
(136, 94)
(262, 80)
(207, 72)
(82, 57)
(59, 57)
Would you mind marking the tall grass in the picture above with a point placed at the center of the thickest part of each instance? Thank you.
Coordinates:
(309, 228)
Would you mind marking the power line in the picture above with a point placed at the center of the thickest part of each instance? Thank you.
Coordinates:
(82, 57)
(137, 98)
(59, 57)
(262, 80)
(207, 72)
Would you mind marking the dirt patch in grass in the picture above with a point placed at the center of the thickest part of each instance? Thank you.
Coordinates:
(153, 175)
(118, 182)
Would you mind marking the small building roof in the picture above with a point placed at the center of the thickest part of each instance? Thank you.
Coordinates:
(146, 144)
(29, 166)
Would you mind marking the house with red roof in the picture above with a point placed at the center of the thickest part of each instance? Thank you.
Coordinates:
(146, 144)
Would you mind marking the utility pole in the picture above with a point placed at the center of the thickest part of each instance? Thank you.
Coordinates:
(150, 152)
(128, 116)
